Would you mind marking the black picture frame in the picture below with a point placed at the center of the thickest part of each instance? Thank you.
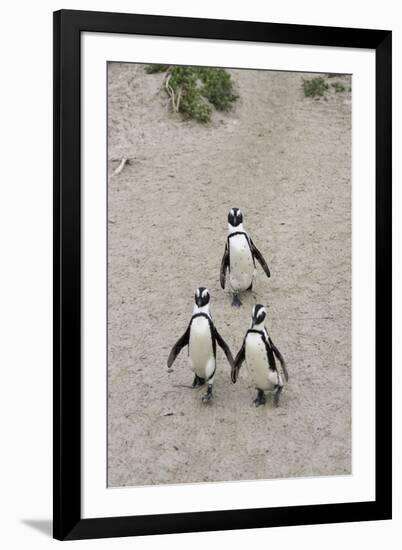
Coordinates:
(68, 26)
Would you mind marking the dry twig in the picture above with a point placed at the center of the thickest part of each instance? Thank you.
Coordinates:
(122, 164)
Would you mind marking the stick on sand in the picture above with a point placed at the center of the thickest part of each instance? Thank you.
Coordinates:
(122, 164)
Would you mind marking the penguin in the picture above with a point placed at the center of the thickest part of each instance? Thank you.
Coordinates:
(239, 257)
(201, 338)
(259, 352)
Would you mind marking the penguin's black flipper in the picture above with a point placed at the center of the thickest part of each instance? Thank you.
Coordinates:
(239, 359)
(271, 357)
(260, 258)
(179, 345)
(280, 358)
(224, 266)
(225, 347)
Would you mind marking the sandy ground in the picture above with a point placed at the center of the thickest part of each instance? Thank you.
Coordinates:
(285, 161)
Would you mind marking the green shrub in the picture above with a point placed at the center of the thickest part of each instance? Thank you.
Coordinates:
(152, 69)
(194, 91)
(185, 93)
(314, 87)
(217, 88)
(338, 87)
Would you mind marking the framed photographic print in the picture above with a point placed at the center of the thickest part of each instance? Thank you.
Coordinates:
(222, 274)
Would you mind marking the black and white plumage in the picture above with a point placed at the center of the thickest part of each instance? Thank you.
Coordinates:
(201, 338)
(239, 257)
(259, 353)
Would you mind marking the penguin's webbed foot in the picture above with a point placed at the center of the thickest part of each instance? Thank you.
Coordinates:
(207, 396)
(260, 399)
(198, 381)
(276, 395)
(236, 302)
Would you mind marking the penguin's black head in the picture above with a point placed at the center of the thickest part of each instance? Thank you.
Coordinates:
(235, 217)
(258, 314)
(201, 296)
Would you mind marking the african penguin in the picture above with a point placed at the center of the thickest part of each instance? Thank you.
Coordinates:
(201, 337)
(239, 257)
(259, 352)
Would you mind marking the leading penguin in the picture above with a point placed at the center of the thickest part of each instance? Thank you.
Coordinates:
(239, 257)
(259, 352)
(201, 337)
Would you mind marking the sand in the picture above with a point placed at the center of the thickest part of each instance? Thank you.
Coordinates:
(285, 160)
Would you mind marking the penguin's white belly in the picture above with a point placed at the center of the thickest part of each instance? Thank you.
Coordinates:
(257, 363)
(200, 348)
(241, 263)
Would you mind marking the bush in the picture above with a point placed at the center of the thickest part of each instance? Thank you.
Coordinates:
(185, 92)
(194, 91)
(338, 87)
(217, 88)
(152, 69)
(314, 87)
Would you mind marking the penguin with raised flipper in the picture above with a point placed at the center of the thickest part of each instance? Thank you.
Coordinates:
(201, 338)
(239, 257)
(259, 352)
